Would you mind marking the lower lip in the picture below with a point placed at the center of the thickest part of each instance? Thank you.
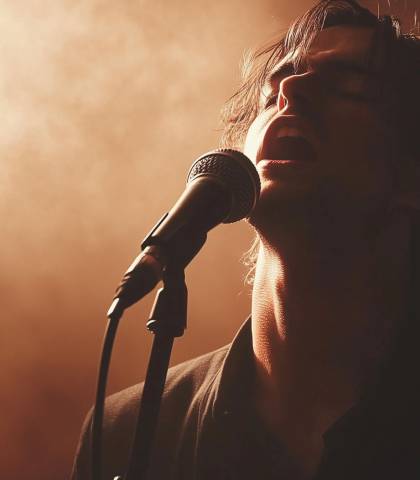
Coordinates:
(284, 163)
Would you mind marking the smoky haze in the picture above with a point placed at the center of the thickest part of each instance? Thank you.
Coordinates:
(105, 105)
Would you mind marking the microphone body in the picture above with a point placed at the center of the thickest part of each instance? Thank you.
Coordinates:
(222, 186)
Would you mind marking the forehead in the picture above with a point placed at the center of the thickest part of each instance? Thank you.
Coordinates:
(341, 43)
(344, 42)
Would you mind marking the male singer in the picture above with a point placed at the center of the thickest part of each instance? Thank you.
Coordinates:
(322, 382)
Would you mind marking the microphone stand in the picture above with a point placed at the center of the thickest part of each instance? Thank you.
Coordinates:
(168, 320)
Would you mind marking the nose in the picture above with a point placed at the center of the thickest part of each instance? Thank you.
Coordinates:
(299, 90)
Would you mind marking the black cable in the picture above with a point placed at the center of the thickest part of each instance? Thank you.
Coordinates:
(148, 415)
(98, 412)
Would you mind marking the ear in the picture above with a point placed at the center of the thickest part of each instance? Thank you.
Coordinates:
(407, 191)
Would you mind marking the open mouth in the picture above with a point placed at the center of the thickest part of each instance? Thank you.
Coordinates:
(289, 148)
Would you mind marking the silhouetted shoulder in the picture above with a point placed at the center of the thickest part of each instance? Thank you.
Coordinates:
(185, 387)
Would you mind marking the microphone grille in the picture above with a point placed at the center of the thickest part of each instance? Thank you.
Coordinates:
(233, 169)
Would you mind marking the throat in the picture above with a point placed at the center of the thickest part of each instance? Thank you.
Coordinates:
(319, 343)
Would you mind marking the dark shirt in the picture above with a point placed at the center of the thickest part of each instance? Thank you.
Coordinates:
(209, 429)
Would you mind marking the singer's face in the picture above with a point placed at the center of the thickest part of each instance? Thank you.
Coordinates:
(319, 140)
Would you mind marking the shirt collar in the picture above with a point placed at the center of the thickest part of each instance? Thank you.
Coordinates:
(232, 391)
(231, 388)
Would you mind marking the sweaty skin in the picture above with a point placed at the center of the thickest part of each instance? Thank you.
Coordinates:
(332, 269)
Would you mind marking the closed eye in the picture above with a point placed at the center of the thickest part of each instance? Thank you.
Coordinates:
(270, 100)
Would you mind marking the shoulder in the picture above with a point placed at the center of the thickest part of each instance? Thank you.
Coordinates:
(184, 385)
(183, 382)
(194, 392)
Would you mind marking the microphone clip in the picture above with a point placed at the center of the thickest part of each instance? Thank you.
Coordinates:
(169, 312)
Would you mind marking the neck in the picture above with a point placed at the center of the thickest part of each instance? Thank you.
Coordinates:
(323, 317)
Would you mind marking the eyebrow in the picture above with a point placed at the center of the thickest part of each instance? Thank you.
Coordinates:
(285, 69)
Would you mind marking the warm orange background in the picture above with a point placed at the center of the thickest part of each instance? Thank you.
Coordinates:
(104, 107)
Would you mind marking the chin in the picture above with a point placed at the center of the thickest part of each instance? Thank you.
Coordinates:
(281, 205)
(290, 208)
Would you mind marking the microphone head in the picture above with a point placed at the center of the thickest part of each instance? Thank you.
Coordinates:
(238, 175)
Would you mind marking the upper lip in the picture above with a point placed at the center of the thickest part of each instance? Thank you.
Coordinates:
(299, 127)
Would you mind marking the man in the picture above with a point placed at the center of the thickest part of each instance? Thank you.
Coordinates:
(322, 382)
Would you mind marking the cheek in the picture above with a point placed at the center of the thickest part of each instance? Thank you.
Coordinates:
(358, 152)
(358, 135)
(255, 136)
(355, 126)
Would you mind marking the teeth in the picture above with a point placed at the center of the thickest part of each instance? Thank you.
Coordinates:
(288, 132)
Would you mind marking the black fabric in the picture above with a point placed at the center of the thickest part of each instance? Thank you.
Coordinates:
(208, 429)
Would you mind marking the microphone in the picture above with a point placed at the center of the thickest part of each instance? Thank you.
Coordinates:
(222, 186)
